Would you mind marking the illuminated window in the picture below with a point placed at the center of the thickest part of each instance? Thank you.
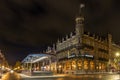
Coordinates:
(85, 64)
(73, 65)
(92, 65)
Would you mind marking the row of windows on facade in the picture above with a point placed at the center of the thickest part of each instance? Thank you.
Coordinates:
(70, 54)
(85, 41)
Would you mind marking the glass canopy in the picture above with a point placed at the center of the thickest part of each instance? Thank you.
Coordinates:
(32, 58)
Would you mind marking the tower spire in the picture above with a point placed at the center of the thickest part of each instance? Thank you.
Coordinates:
(80, 21)
(80, 10)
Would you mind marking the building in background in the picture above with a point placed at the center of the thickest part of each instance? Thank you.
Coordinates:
(45, 61)
(114, 60)
(79, 52)
(3, 63)
(83, 52)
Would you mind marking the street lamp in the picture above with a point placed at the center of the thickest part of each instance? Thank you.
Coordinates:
(117, 54)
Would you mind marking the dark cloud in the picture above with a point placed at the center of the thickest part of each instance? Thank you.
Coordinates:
(103, 17)
(30, 25)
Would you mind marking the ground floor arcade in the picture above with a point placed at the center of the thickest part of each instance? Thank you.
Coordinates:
(69, 65)
(39, 62)
(81, 65)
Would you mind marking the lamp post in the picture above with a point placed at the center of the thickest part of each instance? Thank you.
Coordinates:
(31, 60)
(117, 54)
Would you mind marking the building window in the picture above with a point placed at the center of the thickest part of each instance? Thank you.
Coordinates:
(73, 65)
(68, 66)
(92, 65)
(86, 65)
(79, 64)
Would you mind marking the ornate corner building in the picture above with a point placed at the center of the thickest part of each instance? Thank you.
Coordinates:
(83, 52)
(79, 52)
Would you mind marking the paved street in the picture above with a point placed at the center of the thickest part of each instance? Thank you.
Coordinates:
(11, 76)
(15, 76)
(76, 77)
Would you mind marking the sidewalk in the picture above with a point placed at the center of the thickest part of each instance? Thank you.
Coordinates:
(48, 76)
(92, 73)
(66, 75)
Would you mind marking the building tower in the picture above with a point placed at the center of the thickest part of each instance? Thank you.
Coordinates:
(79, 29)
(80, 22)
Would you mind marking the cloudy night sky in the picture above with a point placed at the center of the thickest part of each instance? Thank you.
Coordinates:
(31, 25)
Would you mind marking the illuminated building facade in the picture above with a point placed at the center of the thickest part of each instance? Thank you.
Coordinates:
(3, 61)
(114, 62)
(45, 61)
(83, 52)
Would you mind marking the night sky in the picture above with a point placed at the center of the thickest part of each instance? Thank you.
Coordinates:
(28, 26)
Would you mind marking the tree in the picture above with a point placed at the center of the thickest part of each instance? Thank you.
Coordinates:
(17, 65)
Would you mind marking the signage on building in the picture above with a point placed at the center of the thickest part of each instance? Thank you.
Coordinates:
(72, 55)
(91, 56)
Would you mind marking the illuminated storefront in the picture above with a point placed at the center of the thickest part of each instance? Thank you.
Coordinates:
(39, 62)
(82, 52)
(79, 52)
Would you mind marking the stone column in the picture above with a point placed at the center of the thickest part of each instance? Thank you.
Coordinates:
(70, 64)
(31, 67)
(24, 65)
(38, 66)
(88, 65)
(82, 65)
(27, 66)
(35, 66)
(50, 63)
(43, 64)
(76, 64)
